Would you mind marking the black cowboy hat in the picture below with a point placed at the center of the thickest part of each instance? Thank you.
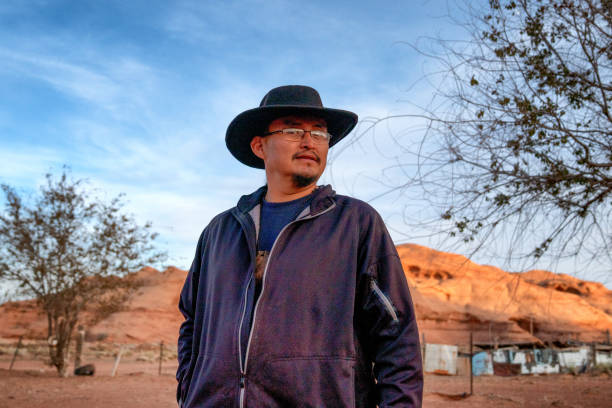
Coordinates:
(281, 101)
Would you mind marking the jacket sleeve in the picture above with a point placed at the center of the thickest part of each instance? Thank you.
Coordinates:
(389, 321)
(187, 307)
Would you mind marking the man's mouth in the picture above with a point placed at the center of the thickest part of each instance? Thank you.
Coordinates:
(308, 157)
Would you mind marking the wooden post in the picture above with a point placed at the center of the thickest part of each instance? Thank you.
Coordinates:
(423, 348)
(15, 354)
(161, 355)
(531, 325)
(471, 363)
(117, 361)
(608, 337)
(594, 351)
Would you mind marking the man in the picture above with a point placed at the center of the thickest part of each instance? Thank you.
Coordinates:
(296, 296)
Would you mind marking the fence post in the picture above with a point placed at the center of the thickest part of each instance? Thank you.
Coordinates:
(471, 355)
(161, 355)
(15, 354)
(117, 361)
(423, 348)
(594, 351)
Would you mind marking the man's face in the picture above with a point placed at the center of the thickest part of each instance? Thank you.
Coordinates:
(304, 160)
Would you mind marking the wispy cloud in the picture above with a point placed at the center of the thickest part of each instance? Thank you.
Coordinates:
(121, 88)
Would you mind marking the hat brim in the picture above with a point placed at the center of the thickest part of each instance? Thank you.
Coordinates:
(254, 122)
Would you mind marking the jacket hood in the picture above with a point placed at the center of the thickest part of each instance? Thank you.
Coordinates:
(323, 198)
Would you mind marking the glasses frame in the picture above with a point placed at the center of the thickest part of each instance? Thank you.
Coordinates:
(302, 132)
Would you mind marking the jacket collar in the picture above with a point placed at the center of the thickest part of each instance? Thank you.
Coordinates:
(323, 199)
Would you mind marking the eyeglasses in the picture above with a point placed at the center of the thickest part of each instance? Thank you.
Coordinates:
(296, 135)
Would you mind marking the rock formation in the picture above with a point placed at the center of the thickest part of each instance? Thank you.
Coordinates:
(452, 297)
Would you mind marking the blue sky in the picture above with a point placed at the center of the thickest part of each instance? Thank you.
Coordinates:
(136, 96)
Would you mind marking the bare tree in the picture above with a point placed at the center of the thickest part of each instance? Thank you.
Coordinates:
(72, 253)
(518, 136)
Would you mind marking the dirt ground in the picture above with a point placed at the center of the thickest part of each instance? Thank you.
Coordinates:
(137, 384)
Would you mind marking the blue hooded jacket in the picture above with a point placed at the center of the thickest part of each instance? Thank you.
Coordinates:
(334, 325)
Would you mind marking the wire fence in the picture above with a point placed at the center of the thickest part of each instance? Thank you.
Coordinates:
(109, 358)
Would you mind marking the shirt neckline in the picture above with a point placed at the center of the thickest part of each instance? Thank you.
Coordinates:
(285, 203)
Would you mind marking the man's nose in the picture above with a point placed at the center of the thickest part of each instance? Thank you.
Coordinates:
(307, 140)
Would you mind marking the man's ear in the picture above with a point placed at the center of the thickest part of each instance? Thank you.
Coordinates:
(257, 146)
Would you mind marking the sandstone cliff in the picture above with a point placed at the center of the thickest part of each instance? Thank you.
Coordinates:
(452, 297)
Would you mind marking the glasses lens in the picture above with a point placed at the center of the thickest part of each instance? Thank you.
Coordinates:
(319, 136)
(293, 134)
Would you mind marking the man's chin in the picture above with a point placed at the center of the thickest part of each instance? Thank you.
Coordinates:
(304, 180)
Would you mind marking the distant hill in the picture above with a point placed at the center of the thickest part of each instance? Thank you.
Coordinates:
(452, 297)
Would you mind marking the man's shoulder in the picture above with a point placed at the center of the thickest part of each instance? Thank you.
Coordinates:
(354, 204)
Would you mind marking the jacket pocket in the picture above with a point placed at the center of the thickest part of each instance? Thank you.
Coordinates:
(384, 299)
(311, 381)
(214, 383)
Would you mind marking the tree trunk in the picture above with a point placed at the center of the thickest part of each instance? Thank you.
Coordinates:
(52, 339)
(61, 363)
(61, 329)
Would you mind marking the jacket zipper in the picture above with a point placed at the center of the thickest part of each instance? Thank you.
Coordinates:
(386, 302)
(263, 288)
(246, 295)
(241, 320)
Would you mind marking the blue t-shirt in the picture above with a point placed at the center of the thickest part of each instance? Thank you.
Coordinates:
(274, 216)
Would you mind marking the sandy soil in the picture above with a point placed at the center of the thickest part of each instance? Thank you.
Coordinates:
(137, 384)
(562, 390)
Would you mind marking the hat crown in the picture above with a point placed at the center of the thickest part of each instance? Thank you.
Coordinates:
(292, 95)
